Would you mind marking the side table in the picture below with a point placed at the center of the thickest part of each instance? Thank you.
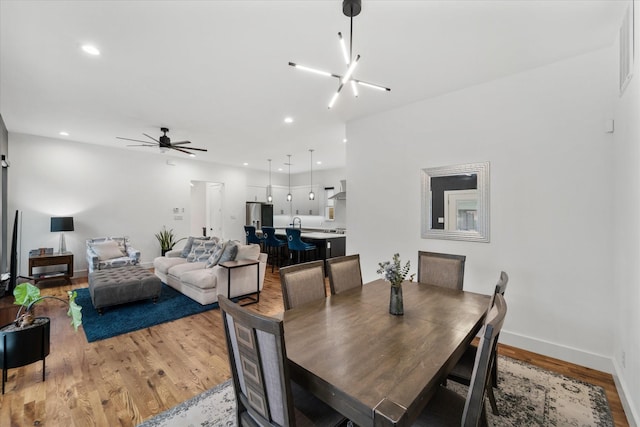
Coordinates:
(56, 259)
(231, 265)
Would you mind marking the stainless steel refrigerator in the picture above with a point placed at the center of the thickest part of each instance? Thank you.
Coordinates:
(259, 214)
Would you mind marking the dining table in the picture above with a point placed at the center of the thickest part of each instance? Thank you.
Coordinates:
(375, 368)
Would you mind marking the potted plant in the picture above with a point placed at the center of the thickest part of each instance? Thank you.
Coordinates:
(26, 340)
(167, 239)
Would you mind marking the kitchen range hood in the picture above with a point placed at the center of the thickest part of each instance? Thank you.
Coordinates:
(342, 195)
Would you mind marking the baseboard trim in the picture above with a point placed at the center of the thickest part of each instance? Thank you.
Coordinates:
(627, 404)
(558, 351)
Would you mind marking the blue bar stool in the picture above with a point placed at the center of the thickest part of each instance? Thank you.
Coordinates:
(295, 243)
(252, 237)
(273, 244)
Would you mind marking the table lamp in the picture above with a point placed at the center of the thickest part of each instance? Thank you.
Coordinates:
(62, 223)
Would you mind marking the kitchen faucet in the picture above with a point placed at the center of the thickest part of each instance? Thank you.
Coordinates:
(299, 222)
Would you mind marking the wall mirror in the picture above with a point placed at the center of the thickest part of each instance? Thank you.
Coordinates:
(455, 202)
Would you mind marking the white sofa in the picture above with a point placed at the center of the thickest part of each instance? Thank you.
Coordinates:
(203, 284)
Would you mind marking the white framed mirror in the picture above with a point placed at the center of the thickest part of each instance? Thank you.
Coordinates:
(455, 202)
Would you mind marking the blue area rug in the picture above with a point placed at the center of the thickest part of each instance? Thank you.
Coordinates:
(124, 318)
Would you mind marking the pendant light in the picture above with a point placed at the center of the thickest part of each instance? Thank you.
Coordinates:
(311, 194)
(289, 196)
(269, 195)
(350, 8)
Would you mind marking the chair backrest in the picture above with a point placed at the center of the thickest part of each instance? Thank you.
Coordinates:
(258, 360)
(294, 241)
(474, 405)
(269, 234)
(438, 269)
(344, 273)
(501, 286)
(302, 283)
(250, 233)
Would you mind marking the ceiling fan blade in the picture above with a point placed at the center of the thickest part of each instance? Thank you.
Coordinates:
(150, 137)
(142, 145)
(135, 140)
(180, 149)
(181, 142)
(193, 148)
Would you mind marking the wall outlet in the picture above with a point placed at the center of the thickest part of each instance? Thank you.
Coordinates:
(624, 361)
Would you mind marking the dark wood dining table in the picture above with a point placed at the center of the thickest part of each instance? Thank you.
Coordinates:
(375, 368)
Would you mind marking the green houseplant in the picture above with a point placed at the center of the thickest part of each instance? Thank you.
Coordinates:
(27, 295)
(167, 239)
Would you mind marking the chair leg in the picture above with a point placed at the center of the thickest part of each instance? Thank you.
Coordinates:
(492, 400)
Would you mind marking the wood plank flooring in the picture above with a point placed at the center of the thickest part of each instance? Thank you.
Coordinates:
(127, 379)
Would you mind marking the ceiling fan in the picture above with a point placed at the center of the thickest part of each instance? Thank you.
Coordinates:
(164, 142)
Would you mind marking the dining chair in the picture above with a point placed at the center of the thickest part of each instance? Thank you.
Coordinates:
(448, 408)
(302, 283)
(273, 245)
(462, 371)
(438, 269)
(295, 243)
(265, 395)
(344, 273)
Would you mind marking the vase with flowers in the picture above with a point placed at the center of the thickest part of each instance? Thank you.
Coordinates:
(395, 273)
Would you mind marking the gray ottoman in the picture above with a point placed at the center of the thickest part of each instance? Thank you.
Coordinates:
(121, 285)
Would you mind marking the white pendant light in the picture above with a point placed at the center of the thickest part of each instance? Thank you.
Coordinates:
(311, 194)
(269, 195)
(289, 196)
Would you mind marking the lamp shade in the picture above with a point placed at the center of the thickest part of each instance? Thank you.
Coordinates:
(61, 223)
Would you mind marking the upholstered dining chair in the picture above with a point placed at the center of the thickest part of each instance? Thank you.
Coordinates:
(302, 283)
(265, 396)
(448, 408)
(444, 270)
(344, 273)
(462, 371)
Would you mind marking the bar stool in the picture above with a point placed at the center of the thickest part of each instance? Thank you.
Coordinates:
(273, 244)
(295, 243)
(252, 237)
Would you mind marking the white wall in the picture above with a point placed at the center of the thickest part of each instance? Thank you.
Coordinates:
(110, 191)
(626, 252)
(551, 200)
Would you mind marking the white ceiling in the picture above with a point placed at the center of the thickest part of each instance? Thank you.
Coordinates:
(216, 73)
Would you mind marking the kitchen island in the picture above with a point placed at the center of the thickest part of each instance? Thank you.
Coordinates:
(330, 245)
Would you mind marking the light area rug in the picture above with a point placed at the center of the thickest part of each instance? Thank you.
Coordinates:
(527, 396)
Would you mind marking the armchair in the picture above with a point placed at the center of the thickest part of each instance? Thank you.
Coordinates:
(110, 252)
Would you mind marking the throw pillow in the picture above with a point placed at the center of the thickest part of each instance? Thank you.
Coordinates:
(251, 252)
(230, 251)
(215, 256)
(109, 249)
(189, 245)
(201, 250)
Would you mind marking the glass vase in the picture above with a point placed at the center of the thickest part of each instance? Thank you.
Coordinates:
(396, 306)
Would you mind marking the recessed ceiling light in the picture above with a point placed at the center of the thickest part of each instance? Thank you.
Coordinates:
(279, 169)
(191, 155)
(91, 50)
(318, 162)
(63, 133)
(245, 164)
(288, 119)
(344, 140)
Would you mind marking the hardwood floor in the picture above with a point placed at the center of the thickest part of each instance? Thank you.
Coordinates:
(127, 379)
